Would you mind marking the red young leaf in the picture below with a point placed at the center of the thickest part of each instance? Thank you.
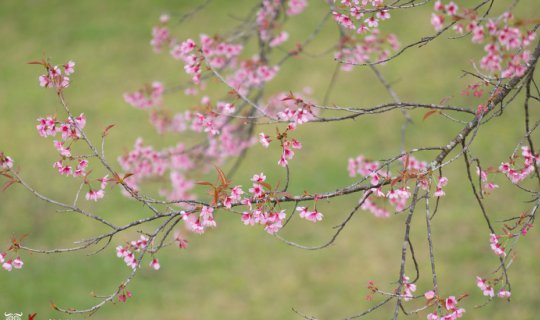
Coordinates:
(204, 183)
(429, 114)
(221, 176)
(8, 184)
(106, 131)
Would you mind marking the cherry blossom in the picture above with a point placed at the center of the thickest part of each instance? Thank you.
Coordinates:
(429, 295)
(17, 263)
(154, 264)
(486, 288)
(496, 246)
(505, 294)
(181, 242)
(5, 161)
(313, 216)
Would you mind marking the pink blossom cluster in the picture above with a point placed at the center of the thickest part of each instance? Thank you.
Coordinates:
(396, 197)
(200, 223)
(234, 197)
(160, 34)
(376, 210)
(126, 252)
(69, 129)
(225, 140)
(289, 103)
(487, 186)
(10, 264)
(372, 47)
(295, 7)
(516, 175)
(124, 296)
(251, 73)
(218, 54)
(505, 41)
(475, 88)
(360, 165)
(440, 184)
(68, 164)
(452, 311)
(181, 188)
(57, 77)
(180, 241)
(355, 10)
(489, 291)
(496, 246)
(408, 289)
(270, 219)
(96, 194)
(437, 19)
(295, 116)
(310, 215)
(163, 122)
(287, 154)
(299, 114)
(145, 162)
(367, 43)
(147, 97)
(208, 118)
(267, 19)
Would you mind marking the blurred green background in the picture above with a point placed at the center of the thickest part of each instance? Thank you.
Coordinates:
(238, 272)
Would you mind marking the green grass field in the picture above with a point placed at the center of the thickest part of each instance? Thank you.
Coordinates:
(238, 272)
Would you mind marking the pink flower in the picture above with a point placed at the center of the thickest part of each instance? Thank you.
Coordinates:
(264, 139)
(69, 67)
(504, 293)
(7, 265)
(17, 263)
(433, 316)
(155, 264)
(5, 162)
(258, 177)
(95, 195)
(409, 289)
(279, 39)
(295, 7)
(312, 216)
(488, 291)
(437, 21)
(383, 15)
(180, 241)
(451, 8)
(103, 180)
(372, 22)
(496, 246)
(121, 251)
(450, 303)
(481, 283)
(45, 81)
(429, 295)
(248, 218)
(283, 161)
(257, 190)
(237, 192)
(164, 18)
